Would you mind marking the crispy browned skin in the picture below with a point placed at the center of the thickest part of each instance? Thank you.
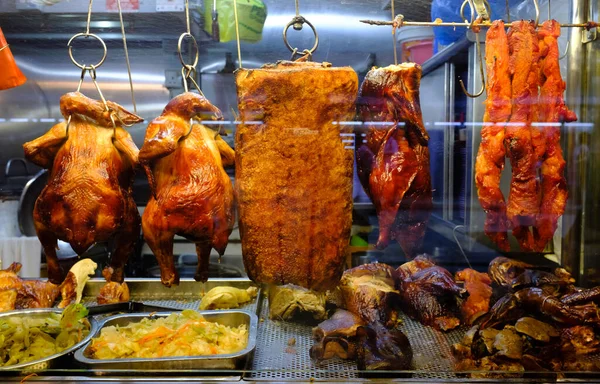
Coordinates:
(294, 172)
(490, 157)
(16, 293)
(393, 165)
(88, 196)
(523, 200)
(478, 285)
(192, 195)
(552, 109)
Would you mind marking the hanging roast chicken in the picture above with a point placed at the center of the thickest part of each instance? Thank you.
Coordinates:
(393, 164)
(192, 195)
(88, 198)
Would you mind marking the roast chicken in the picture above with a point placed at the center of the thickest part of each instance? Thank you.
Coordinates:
(393, 164)
(16, 293)
(192, 195)
(294, 170)
(88, 197)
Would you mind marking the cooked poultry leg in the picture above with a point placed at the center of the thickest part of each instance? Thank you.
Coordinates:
(91, 173)
(553, 109)
(192, 195)
(523, 200)
(490, 157)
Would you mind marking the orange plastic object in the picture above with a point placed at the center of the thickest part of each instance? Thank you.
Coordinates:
(10, 75)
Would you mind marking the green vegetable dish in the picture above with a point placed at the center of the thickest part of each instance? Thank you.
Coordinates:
(29, 337)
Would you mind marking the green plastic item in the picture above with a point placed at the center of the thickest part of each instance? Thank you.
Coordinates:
(357, 241)
(251, 17)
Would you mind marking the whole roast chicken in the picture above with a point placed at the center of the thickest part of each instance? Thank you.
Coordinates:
(192, 195)
(88, 197)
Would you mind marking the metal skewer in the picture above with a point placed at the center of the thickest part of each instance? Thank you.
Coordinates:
(587, 25)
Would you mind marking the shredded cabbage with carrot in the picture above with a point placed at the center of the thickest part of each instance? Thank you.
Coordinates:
(30, 337)
(180, 334)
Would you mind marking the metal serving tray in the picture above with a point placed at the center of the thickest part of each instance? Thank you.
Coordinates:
(52, 360)
(232, 318)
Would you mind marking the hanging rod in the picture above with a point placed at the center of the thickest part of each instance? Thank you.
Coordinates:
(587, 25)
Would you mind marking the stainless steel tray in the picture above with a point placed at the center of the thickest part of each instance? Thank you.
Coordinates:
(52, 360)
(231, 318)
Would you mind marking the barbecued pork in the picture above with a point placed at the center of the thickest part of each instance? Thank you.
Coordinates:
(490, 156)
(393, 164)
(88, 198)
(523, 200)
(478, 285)
(192, 195)
(294, 171)
(552, 110)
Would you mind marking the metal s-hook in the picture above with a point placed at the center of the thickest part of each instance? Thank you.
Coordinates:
(478, 6)
(566, 51)
(480, 58)
(537, 13)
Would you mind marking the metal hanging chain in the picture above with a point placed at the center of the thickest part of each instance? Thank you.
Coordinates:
(127, 57)
(298, 22)
(394, 34)
(188, 71)
(91, 70)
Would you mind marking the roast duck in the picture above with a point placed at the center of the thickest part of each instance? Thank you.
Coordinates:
(88, 197)
(393, 162)
(294, 171)
(524, 91)
(192, 195)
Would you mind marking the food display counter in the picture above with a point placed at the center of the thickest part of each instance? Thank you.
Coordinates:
(259, 190)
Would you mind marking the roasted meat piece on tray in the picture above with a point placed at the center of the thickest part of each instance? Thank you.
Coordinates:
(88, 197)
(294, 171)
(393, 164)
(192, 195)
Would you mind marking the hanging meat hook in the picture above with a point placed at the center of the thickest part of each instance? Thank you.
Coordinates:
(482, 13)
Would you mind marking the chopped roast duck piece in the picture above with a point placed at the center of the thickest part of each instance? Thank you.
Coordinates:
(112, 292)
(393, 165)
(406, 270)
(369, 291)
(552, 110)
(379, 348)
(335, 337)
(523, 200)
(294, 171)
(490, 157)
(591, 294)
(289, 302)
(503, 270)
(579, 340)
(478, 285)
(430, 295)
(192, 195)
(88, 198)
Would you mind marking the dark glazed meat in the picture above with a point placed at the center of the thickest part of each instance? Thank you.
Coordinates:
(88, 196)
(380, 348)
(370, 292)
(393, 165)
(192, 195)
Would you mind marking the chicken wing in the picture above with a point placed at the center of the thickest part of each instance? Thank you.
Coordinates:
(490, 156)
(192, 195)
(88, 198)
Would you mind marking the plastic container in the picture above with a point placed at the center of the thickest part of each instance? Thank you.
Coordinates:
(416, 44)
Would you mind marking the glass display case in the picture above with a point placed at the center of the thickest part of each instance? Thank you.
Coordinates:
(409, 185)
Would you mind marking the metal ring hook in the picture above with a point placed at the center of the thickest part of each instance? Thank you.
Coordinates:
(295, 21)
(183, 36)
(83, 66)
(480, 58)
